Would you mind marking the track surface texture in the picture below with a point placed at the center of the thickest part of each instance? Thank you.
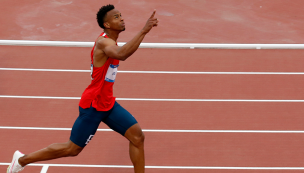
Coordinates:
(183, 21)
(265, 102)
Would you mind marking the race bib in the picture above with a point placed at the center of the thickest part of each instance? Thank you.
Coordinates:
(111, 73)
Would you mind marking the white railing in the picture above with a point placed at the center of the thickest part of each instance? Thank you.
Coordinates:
(155, 45)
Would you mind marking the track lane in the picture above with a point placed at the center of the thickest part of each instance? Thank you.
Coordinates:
(186, 149)
(98, 170)
(29, 169)
(161, 115)
(211, 60)
(53, 169)
(173, 86)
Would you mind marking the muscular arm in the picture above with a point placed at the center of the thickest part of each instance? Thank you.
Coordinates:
(110, 48)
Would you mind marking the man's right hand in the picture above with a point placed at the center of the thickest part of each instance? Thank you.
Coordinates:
(152, 22)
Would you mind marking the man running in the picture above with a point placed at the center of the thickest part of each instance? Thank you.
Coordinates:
(97, 102)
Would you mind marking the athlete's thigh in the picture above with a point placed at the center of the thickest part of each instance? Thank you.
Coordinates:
(119, 119)
(86, 125)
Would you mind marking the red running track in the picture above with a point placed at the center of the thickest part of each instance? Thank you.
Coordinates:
(178, 149)
(220, 22)
(196, 60)
(162, 115)
(170, 149)
(183, 21)
(175, 86)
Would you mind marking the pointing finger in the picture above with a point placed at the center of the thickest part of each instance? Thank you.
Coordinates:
(153, 14)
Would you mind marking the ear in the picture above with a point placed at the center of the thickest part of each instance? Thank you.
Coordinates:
(106, 25)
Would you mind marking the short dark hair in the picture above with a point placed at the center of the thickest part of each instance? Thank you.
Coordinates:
(102, 13)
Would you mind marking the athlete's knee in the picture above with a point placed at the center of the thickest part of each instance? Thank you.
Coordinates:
(138, 140)
(135, 135)
(67, 149)
(73, 152)
(73, 149)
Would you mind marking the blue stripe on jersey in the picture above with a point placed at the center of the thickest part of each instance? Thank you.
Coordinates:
(113, 66)
(109, 80)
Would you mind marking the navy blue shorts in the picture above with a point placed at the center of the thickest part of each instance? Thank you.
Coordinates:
(85, 126)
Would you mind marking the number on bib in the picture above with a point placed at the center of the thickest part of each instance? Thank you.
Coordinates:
(111, 73)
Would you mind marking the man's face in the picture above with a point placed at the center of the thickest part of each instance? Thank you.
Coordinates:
(114, 21)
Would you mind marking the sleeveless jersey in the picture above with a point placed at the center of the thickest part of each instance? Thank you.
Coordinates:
(100, 92)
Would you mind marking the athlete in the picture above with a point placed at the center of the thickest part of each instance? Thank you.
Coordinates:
(97, 102)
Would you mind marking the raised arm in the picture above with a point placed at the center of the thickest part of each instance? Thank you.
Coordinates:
(110, 48)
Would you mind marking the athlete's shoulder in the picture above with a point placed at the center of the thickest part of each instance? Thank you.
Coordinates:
(102, 42)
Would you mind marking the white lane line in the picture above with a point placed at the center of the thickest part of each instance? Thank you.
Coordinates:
(44, 169)
(234, 73)
(45, 70)
(40, 97)
(206, 100)
(168, 167)
(154, 45)
(143, 99)
(158, 72)
(224, 131)
(162, 130)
